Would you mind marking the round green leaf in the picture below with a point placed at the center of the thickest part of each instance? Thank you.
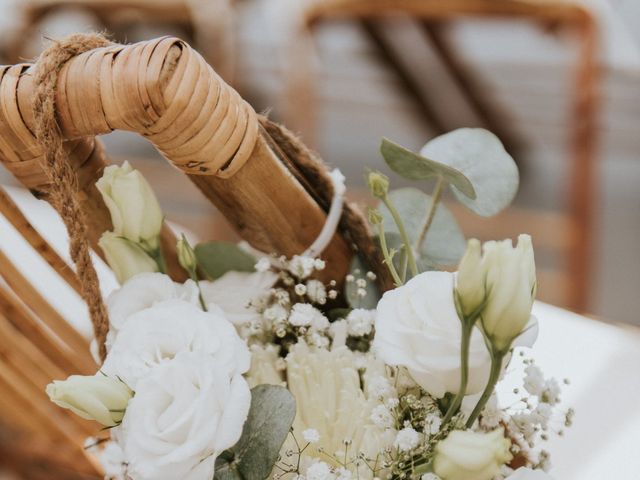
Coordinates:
(444, 243)
(416, 167)
(481, 157)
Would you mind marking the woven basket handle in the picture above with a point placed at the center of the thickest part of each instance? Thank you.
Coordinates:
(163, 90)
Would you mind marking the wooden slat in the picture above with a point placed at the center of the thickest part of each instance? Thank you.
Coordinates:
(49, 315)
(12, 213)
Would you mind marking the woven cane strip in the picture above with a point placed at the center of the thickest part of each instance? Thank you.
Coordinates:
(161, 89)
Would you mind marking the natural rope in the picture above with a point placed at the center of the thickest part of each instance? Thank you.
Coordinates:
(353, 225)
(63, 185)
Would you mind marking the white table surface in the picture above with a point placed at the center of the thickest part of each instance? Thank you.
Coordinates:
(602, 361)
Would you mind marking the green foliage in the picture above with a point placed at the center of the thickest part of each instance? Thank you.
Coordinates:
(416, 167)
(444, 243)
(480, 156)
(271, 415)
(217, 258)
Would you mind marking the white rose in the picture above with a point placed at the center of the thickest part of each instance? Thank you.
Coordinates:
(167, 329)
(135, 212)
(417, 327)
(184, 414)
(97, 397)
(141, 292)
(125, 258)
(235, 291)
(468, 455)
(528, 474)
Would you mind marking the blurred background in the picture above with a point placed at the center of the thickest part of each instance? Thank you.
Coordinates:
(558, 82)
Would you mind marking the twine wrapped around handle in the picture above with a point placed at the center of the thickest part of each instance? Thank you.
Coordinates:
(63, 182)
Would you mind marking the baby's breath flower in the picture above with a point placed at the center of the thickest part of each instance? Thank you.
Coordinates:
(407, 439)
(300, 289)
(381, 417)
(360, 322)
(316, 291)
(301, 266)
(263, 265)
(319, 264)
(320, 471)
(311, 435)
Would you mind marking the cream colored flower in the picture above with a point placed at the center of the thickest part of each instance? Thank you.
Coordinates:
(511, 290)
(100, 398)
(264, 366)
(135, 212)
(468, 455)
(125, 258)
(326, 386)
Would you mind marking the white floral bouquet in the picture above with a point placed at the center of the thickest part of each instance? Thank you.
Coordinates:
(255, 369)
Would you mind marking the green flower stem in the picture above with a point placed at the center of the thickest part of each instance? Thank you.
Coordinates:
(403, 233)
(387, 257)
(158, 256)
(467, 329)
(435, 200)
(494, 376)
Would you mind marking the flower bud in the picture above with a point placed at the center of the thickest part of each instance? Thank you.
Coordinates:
(135, 212)
(378, 184)
(125, 258)
(186, 255)
(468, 455)
(470, 281)
(375, 217)
(100, 398)
(511, 289)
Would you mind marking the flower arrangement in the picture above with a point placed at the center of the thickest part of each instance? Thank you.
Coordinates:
(254, 368)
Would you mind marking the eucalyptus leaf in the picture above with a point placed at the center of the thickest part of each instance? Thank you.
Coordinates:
(217, 258)
(416, 167)
(359, 270)
(481, 157)
(444, 244)
(271, 415)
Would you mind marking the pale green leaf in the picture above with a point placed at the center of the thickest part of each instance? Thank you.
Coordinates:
(217, 258)
(444, 243)
(416, 167)
(481, 157)
(271, 415)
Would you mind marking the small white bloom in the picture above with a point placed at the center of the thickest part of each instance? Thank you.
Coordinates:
(113, 461)
(542, 414)
(528, 474)
(430, 476)
(333, 294)
(380, 387)
(306, 315)
(320, 471)
(533, 380)
(311, 435)
(301, 266)
(343, 474)
(360, 322)
(319, 264)
(381, 417)
(434, 422)
(275, 313)
(407, 439)
(316, 291)
(263, 265)
(551, 392)
(300, 289)
(338, 331)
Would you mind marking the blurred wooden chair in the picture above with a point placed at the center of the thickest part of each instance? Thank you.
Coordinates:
(207, 24)
(569, 237)
(37, 439)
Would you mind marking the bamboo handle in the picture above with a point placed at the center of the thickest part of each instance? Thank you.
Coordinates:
(166, 92)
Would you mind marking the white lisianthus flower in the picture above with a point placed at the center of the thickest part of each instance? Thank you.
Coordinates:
(167, 329)
(524, 473)
(141, 292)
(417, 327)
(100, 398)
(511, 290)
(469, 455)
(235, 291)
(135, 212)
(125, 258)
(184, 414)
